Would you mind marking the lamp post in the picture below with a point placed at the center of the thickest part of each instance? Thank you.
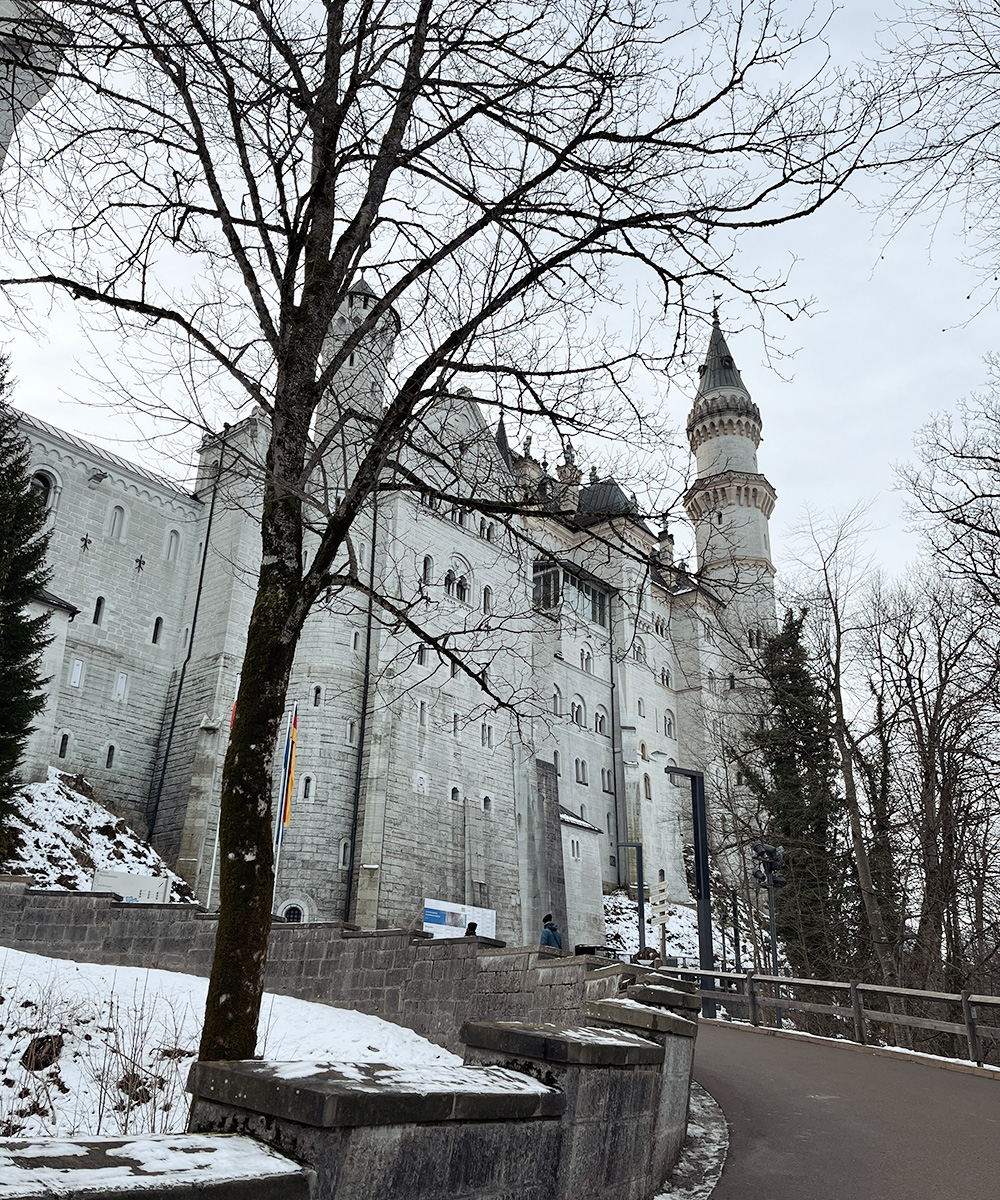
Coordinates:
(641, 888)
(767, 875)
(702, 886)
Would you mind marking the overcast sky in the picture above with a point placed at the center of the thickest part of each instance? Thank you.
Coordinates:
(895, 338)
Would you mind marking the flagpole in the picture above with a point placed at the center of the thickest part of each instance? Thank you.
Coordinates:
(287, 781)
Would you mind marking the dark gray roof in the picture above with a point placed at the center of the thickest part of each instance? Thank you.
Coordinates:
(361, 288)
(54, 601)
(719, 369)
(504, 446)
(606, 499)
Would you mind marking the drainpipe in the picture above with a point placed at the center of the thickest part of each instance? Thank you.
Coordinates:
(190, 647)
(363, 720)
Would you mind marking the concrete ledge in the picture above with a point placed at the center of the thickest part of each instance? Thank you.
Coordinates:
(327, 1095)
(177, 1166)
(354, 932)
(663, 997)
(562, 1043)
(632, 1015)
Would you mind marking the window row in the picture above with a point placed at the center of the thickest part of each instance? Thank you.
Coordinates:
(456, 585)
(100, 609)
(462, 517)
(556, 588)
(110, 751)
(77, 674)
(116, 522)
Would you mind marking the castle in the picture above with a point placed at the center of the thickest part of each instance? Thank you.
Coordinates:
(605, 661)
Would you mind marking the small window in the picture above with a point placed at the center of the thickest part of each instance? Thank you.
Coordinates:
(643, 752)
(639, 652)
(352, 733)
(580, 766)
(307, 787)
(586, 661)
(292, 913)
(98, 610)
(317, 696)
(449, 583)
(427, 570)
(487, 600)
(641, 707)
(557, 762)
(458, 517)
(455, 795)
(456, 726)
(121, 686)
(454, 668)
(600, 721)
(173, 545)
(739, 778)
(117, 526)
(662, 876)
(647, 787)
(674, 779)
(583, 812)
(76, 673)
(462, 589)
(668, 724)
(421, 655)
(109, 758)
(487, 736)
(487, 804)
(41, 485)
(556, 702)
(157, 630)
(609, 823)
(422, 715)
(665, 677)
(732, 682)
(356, 640)
(63, 745)
(344, 854)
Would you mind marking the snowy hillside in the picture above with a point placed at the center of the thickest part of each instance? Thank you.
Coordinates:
(621, 917)
(88, 1049)
(68, 835)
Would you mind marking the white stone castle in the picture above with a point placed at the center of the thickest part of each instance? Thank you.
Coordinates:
(606, 662)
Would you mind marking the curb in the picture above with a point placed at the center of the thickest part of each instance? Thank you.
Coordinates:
(928, 1060)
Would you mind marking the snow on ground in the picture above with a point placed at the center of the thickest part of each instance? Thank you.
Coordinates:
(621, 918)
(703, 1154)
(88, 1050)
(68, 835)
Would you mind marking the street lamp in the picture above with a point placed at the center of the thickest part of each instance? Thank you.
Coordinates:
(766, 875)
(641, 887)
(702, 886)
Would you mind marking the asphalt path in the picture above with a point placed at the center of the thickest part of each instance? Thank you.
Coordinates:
(809, 1120)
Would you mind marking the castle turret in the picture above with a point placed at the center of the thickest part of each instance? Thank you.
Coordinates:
(730, 502)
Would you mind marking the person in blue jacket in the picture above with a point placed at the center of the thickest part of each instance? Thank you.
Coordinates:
(550, 933)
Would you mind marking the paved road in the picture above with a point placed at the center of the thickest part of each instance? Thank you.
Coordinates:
(810, 1121)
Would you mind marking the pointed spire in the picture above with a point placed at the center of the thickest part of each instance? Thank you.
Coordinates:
(718, 370)
(503, 445)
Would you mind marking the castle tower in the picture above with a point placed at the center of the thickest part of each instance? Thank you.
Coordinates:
(730, 502)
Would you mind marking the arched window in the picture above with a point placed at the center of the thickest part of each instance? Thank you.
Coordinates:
(662, 875)
(600, 721)
(665, 677)
(641, 707)
(317, 696)
(580, 769)
(458, 517)
(455, 795)
(173, 545)
(449, 583)
(674, 779)
(583, 812)
(157, 630)
(292, 914)
(587, 660)
(344, 854)
(41, 485)
(556, 702)
(487, 804)
(609, 822)
(578, 712)
(307, 787)
(117, 526)
(63, 745)
(639, 651)
(647, 787)
(427, 570)
(487, 600)
(109, 758)
(462, 589)
(643, 752)
(98, 610)
(557, 762)
(668, 723)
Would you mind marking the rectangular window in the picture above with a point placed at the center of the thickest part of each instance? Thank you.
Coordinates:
(352, 732)
(487, 736)
(422, 717)
(76, 673)
(121, 686)
(455, 726)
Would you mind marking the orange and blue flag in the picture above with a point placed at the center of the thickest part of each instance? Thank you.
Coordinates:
(288, 774)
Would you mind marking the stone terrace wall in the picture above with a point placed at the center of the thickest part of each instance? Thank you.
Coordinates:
(431, 986)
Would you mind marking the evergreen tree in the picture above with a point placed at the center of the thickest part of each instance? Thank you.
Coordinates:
(791, 766)
(23, 543)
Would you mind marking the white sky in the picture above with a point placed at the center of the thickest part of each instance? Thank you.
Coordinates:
(895, 338)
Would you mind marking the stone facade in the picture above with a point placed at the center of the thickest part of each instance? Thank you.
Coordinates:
(605, 661)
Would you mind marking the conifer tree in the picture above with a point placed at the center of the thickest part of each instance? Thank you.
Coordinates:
(23, 543)
(791, 766)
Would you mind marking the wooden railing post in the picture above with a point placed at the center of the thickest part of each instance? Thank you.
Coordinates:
(752, 998)
(969, 1013)
(857, 1003)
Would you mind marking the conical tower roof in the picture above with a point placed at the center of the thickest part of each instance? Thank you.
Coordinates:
(719, 370)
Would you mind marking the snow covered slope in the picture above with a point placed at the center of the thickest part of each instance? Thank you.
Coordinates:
(68, 834)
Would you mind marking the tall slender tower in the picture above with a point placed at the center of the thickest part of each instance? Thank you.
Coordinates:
(730, 502)
(29, 56)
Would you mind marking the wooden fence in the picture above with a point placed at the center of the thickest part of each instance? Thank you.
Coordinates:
(758, 994)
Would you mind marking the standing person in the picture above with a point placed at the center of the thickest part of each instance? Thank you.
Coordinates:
(470, 929)
(550, 933)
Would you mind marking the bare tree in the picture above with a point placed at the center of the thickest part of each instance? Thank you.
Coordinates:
(219, 176)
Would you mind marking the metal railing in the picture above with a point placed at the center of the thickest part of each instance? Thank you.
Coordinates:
(745, 990)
